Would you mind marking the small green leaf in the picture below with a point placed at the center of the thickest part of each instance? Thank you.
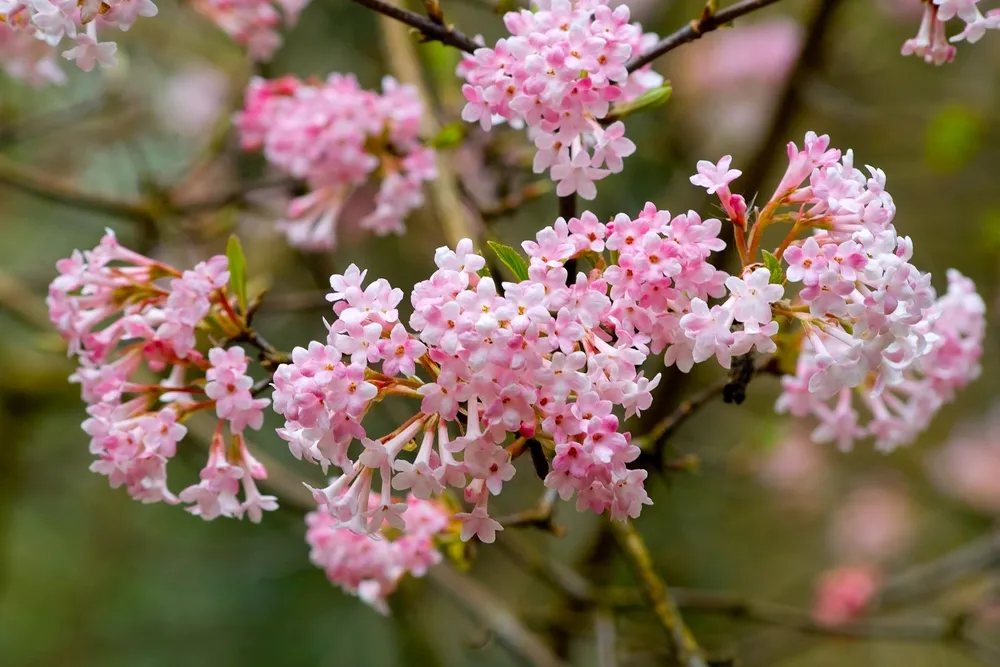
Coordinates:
(449, 136)
(237, 271)
(953, 138)
(511, 258)
(773, 264)
(484, 272)
(648, 100)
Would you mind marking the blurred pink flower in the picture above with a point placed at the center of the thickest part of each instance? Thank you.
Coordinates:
(726, 81)
(967, 467)
(796, 468)
(874, 524)
(760, 53)
(192, 100)
(844, 593)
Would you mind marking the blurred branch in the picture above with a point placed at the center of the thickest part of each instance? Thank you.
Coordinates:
(926, 580)
(429, 29)
(480, 602)
(44, 187)
(810, 60)
(707, 22)
(404, 63)
(683, 645)
(655, 439)
(17, 298)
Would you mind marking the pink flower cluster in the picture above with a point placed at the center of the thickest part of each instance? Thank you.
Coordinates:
(55, 22)
(132, 323)
(336, 136)
(558, 74)
(967, 467)
(371, 568)
(27, 58)
(932, 43)
(253, 23)
(870, 320)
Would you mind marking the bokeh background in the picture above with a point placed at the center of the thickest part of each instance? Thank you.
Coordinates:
(89, 578)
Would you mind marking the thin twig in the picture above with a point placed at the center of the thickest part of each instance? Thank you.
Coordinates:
(480, 603)
(682, 643)
(404, 63)
(707, 22)
(431, 31)
(46, 188)
(927, 579)
(661, 432)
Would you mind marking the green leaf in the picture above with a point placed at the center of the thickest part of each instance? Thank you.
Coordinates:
(484, 272)
(773, 264)
(237, 271)
(512, 259)
(648, 100)
(953, 138)
(449, 136)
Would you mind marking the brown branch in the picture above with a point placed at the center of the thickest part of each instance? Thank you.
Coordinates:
(480, 603)
(431, 30)
(45, 188)
(707, 22)
(661, 432)
(683, 645)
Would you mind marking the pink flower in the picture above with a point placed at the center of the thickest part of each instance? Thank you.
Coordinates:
(843, 594)
(479, 524)
(715, 177)
(753, 296)
(577, 176)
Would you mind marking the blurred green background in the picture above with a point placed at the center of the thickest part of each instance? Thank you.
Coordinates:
(89, 578)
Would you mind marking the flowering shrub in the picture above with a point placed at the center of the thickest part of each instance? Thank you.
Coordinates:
(549, 350)
(132, 322)
(558, 74)
(335, 136)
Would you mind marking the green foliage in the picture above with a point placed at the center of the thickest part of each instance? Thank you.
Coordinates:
(511, 259)
(449, 136)
(237, 271)
(649, 100)
(773, 264)
(953, 138)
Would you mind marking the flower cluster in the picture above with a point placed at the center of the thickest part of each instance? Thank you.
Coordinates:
(253, 23)
(132, 322)
(932, 43)
(371, 568)
(24, 57)
(336, 136)
(55, 22)
(558, 74)
(870, 321)
(548, 358)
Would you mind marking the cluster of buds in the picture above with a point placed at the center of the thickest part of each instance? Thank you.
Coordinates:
(133, 324)
(869, 322)
(336, 137)
(932, 42)
(557, 74)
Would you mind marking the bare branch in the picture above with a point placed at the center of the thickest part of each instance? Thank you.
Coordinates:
(431, 30)
(682, 643)
(46, 188)
(707, 22)
(480, 603)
